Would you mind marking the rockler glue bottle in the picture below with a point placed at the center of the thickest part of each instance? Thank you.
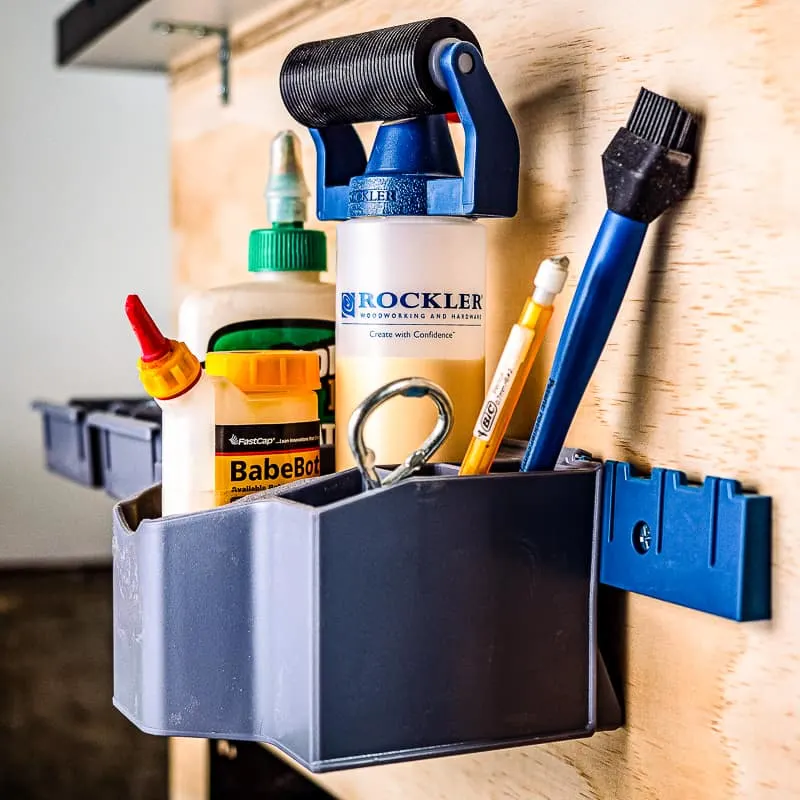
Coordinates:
(411, 255)
(409, 307)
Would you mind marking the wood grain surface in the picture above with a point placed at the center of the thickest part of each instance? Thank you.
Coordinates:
(700, 373)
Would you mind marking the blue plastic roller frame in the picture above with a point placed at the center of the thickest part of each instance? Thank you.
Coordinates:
(489, 186)
(706, 547)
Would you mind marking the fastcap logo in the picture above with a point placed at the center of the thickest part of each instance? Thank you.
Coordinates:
(238, 441)
(414, 301)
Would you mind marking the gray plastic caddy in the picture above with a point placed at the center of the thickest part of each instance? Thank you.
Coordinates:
(439, 616)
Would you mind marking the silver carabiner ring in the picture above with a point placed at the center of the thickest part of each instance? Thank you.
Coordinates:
(405, 387)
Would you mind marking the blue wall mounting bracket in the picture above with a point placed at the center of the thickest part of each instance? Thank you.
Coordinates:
(706, 547)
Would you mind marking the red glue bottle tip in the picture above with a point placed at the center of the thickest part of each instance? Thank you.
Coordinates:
(153, 343)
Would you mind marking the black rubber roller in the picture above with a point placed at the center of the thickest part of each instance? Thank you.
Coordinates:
(381, 75)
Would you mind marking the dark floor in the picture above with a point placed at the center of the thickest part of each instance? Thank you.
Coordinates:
(60, 737)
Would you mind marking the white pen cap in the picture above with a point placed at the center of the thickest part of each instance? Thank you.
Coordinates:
(550, 279)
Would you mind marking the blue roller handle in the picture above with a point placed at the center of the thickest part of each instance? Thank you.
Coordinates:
(594, 308)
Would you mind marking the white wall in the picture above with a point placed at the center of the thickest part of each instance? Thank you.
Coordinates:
(84, 219)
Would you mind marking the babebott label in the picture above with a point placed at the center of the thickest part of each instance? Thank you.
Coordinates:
(251, 458)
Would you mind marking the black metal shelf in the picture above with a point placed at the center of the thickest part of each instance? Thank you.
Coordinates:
(118, 34)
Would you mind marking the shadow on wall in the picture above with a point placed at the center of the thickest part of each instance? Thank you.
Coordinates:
(549, 126)
(636, 426)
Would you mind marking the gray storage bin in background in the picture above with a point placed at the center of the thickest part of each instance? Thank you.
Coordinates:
(440, 616)
(111, 442)
(129, 450)
(71, 448)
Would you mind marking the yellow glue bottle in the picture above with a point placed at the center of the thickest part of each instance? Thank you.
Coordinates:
(267, 429)
(249, 422)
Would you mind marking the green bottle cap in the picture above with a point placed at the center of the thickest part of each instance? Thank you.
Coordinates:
(287, 247)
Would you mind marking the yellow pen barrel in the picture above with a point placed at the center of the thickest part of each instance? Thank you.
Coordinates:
(506, 386)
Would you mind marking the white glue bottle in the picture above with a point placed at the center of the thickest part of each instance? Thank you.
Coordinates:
(285, 305)
(412, 304)
(411, 287)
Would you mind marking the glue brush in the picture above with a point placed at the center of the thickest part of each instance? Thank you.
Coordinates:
(647, 168)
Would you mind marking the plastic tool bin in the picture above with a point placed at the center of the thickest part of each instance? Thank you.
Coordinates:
(114, 443)
(442, 615)
(72, 446)
(130, 449)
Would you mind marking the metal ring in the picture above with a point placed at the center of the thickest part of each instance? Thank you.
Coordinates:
(405, 387)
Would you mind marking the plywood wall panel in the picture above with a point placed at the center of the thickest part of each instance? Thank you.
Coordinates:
(701, 372)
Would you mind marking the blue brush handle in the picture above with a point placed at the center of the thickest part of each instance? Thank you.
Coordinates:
(594, 308)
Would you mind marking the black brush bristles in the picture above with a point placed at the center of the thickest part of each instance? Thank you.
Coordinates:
(649, 165)
(662, 121)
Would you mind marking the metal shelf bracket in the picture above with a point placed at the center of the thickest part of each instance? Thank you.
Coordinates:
(202, 31)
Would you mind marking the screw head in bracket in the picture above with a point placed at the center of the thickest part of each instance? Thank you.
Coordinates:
(642, 537)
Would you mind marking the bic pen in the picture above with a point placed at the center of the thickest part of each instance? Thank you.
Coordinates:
(514, 367)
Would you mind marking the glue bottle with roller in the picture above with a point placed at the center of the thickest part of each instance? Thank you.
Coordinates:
(173, 377)
(411, 255)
